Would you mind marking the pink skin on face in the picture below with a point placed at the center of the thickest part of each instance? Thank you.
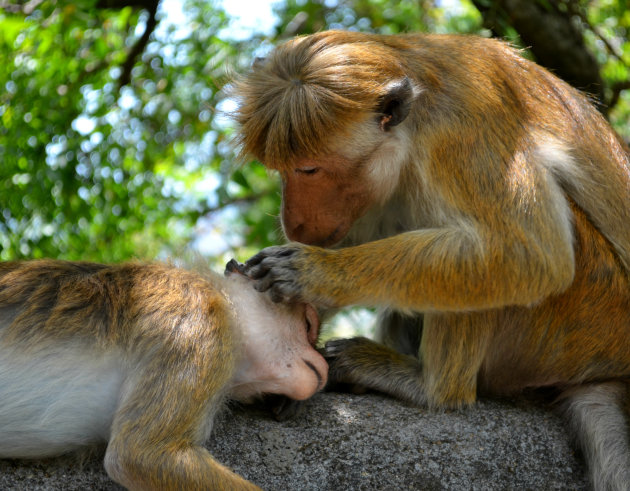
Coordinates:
(277, 345)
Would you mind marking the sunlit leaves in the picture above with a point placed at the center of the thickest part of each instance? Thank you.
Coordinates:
(91, 170)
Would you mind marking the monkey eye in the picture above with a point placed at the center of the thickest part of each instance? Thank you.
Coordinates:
(308, 170)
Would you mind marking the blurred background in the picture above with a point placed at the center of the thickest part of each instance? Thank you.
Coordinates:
(114, 129)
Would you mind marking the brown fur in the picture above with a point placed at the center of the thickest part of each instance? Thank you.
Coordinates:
(494, 199)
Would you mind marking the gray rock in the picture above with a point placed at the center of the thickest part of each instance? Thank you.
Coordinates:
(348, 442)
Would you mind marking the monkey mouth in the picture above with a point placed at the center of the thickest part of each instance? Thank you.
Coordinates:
(335, 236)
(320, 379)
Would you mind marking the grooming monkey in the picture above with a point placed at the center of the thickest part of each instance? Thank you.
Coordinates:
(142, 356)
(458, 180)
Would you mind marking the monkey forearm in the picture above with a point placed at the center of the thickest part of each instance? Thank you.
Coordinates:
(376, 367)
(189, 468)
(431, 269)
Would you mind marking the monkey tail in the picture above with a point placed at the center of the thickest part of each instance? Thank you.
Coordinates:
(597, 415)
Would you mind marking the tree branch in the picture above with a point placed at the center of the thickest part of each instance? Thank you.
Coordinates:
(552, 37)
(151, 6)
(235, 201)
(617, 88)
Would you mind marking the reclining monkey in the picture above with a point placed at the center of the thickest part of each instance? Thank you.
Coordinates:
(142, 356)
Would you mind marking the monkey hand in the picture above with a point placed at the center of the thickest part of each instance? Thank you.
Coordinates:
(350, 360)
(362, 363)
(277, 270)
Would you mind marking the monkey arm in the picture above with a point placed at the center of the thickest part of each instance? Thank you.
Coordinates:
(176, 467)
(158, 431)
(374, 366)
(168, 402)
(492, 264)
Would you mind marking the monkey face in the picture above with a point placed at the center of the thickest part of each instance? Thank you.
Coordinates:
(276, 346)
(321, 199)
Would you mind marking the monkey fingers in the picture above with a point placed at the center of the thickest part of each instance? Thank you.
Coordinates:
(360, 361)
(274, 270)
(274, 251)
(281, 292)
(233, 266)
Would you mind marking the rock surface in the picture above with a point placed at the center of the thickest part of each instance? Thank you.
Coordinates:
(352, 442)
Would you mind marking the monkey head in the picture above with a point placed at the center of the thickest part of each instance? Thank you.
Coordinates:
(330, 113)
(277, 343)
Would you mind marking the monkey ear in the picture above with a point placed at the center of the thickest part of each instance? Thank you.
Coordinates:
(396, 104)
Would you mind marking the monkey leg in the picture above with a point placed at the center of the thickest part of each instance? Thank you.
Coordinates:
(453, 348)
(400, 332)
(360, 361)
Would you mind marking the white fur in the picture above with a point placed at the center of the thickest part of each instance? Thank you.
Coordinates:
(599, 188)
(273, 345)
(57, 402)
(402, 209)
(563, 216)
(561, 167)
(383, 153)
(556, 157)
(388, 161)
(596, 416)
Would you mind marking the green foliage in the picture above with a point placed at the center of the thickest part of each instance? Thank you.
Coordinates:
(92, 170)
(52, 197)
(380, 16)
(608, 36)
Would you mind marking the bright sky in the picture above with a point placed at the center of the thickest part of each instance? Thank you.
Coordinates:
(215, 235)
(249, 16)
